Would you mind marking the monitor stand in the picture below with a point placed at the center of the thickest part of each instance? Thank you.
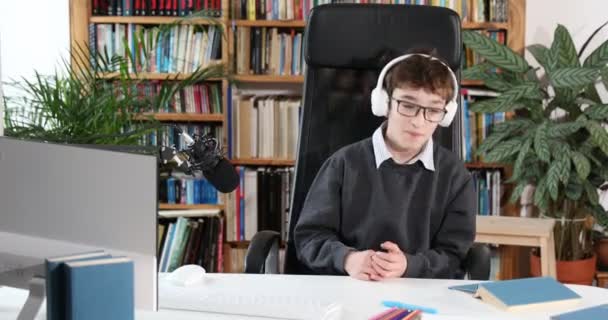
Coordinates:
(34, 300)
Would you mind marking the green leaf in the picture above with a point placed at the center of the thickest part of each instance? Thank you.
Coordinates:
(605, 78)
(491, 141)
(542, 55)
(573, 77)
(506, 101)
(574, 189)
(591, 192)
(562, 130)
(601, 216)
(599, 56)
(540, 194)
(598, 134)
(582, 165)
(499, 54)
(523, 152)
(477, 72)
(512, 126)
(503, 150)
(516, 194)
(541, 143)
(498, 84)
(562, 48)
(597, 112)
(553, 176)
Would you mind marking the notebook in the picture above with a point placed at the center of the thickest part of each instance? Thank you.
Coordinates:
(521, 294)
(596, 312)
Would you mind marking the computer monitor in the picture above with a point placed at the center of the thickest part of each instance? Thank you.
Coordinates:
(58, 199)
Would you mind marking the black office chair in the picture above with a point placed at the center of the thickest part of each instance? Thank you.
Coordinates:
(346, 46)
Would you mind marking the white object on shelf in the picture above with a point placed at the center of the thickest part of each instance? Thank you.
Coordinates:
(189, 213)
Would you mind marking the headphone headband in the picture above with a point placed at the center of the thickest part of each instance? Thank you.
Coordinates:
(393, 62)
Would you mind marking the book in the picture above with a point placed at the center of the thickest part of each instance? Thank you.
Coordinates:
(100, 289)
(469, 288)
(55, 281)
(595, 312)
(521, 294)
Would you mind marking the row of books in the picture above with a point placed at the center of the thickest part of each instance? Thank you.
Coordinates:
(476, 126)
(260, 202)
(186, 190)
(264, 127)
(181, 48)
(205, 98)
(271, 51)
(212, 8)
(471, 58)
(183, 241)
(169, 134)
(469, 10)
(488, 190)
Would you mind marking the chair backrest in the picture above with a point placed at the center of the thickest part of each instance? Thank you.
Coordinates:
(345, 47)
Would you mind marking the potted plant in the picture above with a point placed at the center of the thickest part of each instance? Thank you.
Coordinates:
(554, 139)
(75, 106)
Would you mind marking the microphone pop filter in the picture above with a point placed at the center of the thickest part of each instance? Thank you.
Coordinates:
(223, 177)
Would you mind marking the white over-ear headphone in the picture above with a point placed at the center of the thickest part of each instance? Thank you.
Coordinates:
(380, 98)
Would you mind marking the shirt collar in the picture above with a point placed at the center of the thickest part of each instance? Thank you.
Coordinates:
(382, 154)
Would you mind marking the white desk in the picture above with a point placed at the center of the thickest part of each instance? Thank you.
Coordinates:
(359, 299)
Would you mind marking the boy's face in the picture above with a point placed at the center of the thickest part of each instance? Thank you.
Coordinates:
(408, 131)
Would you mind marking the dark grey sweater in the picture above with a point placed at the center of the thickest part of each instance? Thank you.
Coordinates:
(352, 205)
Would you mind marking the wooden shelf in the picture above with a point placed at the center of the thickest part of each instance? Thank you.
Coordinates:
(485, 25)
(471, 83)
(245, 244)
(302, 24)
(169, 206)
(182, 117)
(263, 162)
(153, 76)
(269, 78)
(484, 165)
(154, 20)
(271, 23)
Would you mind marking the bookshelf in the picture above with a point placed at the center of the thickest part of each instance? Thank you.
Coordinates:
(81, 17)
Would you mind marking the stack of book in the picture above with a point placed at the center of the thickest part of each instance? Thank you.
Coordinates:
(91, 285)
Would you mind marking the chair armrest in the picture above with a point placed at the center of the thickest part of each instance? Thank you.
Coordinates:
(478, 261)
(263, 253)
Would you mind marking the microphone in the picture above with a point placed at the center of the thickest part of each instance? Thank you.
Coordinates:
(203, 154)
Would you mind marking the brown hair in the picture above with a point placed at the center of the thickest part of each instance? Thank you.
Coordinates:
(419, 72)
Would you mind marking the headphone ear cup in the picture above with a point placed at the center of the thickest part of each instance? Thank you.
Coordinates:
(451, 108)
(379, 99)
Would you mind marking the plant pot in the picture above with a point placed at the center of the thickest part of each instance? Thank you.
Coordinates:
(573, 272)
(601, 250)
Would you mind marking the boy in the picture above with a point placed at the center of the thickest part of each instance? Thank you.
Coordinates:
(395, 204)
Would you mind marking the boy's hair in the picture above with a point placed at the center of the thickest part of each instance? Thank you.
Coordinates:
(419, 72)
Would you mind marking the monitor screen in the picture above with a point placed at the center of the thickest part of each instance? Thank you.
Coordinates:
(59, 199)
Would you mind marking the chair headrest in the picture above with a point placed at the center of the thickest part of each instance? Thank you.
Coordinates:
(372, 34)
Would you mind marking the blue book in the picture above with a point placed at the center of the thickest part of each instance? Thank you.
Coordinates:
(518, 294)
(469, 288)
(100, 289)
(596, 312)
(55, 282)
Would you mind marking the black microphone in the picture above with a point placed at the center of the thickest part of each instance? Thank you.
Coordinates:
(203, 154)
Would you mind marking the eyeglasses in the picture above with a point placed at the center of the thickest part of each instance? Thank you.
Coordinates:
(409, 109)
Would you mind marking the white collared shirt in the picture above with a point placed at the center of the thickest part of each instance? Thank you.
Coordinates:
(382, 154)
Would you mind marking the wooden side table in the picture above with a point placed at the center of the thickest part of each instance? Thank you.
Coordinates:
(602, 279)
(519, 231)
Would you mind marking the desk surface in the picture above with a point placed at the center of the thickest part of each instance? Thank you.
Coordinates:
(307, 295)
